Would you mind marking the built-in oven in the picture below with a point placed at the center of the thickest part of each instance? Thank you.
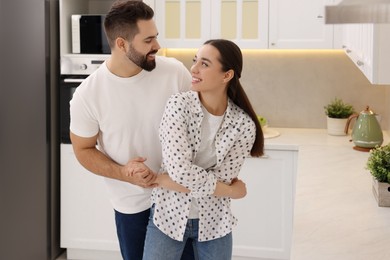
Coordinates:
(74, 69)
(68, 85)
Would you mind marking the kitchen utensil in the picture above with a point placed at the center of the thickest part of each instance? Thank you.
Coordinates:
(366, 132)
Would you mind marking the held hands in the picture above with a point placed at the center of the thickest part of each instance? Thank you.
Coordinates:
(137, 173)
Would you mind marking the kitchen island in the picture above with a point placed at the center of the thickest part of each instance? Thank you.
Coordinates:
(336, 215)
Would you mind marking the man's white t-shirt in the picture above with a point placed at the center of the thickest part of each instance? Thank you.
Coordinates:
(126, 112)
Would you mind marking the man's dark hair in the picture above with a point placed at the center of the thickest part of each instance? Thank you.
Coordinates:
(121, 20)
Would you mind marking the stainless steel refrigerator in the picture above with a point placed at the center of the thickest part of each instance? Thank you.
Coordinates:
(29, 171)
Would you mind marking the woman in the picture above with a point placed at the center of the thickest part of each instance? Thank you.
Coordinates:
(206, 134)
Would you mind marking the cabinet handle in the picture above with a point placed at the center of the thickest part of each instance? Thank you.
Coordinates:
(348, 51)
(344, 46)
(360, 63)
(320, 16)
(273, 44)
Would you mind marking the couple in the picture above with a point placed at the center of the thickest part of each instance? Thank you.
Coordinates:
(197, 145)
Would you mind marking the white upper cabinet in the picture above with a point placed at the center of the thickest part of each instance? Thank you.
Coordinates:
(252, 24)
(368, 47)
(299, 24)
(189, 23)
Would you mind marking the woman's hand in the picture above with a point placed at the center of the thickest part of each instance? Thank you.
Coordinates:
(164, 181)
(238, 189)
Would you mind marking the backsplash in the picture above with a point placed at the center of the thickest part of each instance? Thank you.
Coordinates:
(291, 87)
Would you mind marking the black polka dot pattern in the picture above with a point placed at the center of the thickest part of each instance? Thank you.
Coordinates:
(180, 139)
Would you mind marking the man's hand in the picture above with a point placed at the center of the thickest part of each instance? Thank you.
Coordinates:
(137, 173)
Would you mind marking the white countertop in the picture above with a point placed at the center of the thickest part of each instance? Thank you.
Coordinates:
(336, 216)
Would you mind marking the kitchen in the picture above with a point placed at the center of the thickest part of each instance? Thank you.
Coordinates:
(288, 87)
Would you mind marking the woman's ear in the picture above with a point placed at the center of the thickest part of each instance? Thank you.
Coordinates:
(228, 75)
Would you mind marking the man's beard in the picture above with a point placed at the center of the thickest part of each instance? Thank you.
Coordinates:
(141, 60)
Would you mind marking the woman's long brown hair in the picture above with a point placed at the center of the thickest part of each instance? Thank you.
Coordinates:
(231, 59)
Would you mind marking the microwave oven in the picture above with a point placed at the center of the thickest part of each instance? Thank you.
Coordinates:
(88, 36)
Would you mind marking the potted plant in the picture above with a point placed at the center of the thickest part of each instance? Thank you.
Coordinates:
(337, 116)
(378, 164)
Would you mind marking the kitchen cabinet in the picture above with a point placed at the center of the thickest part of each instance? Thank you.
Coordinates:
(188, 24)
(252, 24)
(299, 25)
(87, 218)
(368, 46)
(265, 215)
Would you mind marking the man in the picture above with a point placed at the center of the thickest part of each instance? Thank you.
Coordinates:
(119, 108)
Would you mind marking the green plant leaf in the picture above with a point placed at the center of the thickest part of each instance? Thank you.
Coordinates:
(378, 163)
(338, 109)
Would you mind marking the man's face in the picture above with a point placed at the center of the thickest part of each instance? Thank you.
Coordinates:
(143, 48)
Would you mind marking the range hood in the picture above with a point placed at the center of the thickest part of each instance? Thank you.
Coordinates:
(358, 11)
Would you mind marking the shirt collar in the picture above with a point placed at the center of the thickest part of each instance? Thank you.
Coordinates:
(231, 114)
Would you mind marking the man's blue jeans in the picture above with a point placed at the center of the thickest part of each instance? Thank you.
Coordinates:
(131, 231)
(162, 247)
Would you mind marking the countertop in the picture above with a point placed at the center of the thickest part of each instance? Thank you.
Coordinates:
(336, 216)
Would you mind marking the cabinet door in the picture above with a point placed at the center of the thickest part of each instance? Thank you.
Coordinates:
(299, 25)
(183, 23)
(357, 39)
(368, 47)
(189, 23)
(265, 215)
(87, 217)
(243, 21)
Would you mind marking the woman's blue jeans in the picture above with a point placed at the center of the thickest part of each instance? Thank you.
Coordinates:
(162, 247)
(131, 231)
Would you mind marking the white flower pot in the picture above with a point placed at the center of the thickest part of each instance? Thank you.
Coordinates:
(336, 126)
(381, 191)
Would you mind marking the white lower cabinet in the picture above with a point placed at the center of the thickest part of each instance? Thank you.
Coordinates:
(87, 217)
(265, 215)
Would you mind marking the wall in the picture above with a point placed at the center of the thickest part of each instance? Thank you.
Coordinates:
(291, 87)
(387, 107)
